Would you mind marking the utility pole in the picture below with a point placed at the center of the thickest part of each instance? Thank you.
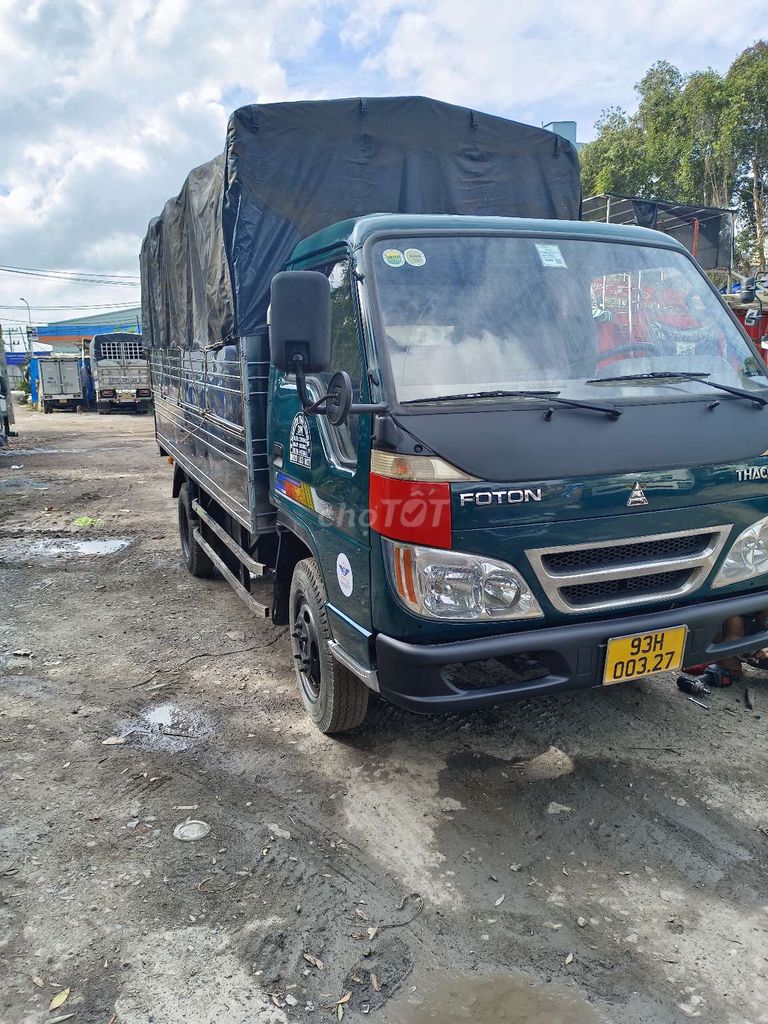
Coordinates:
(29, 329)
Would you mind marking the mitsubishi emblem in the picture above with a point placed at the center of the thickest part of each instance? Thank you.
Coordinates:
(637, 497)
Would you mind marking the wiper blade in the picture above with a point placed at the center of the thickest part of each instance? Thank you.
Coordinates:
(551, 396)
(661, 375)
(483, 394)
(655, 375)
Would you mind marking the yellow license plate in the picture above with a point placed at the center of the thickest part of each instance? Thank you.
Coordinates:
(642, 654)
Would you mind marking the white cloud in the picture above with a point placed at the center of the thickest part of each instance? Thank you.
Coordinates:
(105, 105)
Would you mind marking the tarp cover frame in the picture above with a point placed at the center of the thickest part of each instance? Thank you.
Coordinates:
(291, 169)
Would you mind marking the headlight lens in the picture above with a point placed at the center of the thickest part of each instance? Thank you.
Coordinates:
(453, 585)
(748, 556)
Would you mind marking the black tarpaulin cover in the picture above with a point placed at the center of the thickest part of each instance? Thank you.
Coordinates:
(290, 169)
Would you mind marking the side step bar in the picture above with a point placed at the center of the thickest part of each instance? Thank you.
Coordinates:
(256, 607)
(254, 567)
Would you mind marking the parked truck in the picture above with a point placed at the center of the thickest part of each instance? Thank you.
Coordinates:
(60, 384)
(117, 373)
(6, 401)
(461, 443)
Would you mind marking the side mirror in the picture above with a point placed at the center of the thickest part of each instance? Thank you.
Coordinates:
(300, 321)
(338, 398)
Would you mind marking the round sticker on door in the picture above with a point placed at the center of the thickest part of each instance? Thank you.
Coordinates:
(393, 257)
(344, 574)
(415, 257)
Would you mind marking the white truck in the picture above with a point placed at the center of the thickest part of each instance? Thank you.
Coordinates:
(119, 373)
(60, 383)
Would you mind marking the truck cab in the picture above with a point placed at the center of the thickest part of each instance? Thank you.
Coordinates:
(549, 477)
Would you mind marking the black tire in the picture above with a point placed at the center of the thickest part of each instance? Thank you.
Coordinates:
(195, 559)
(47, 408)
(334, 698)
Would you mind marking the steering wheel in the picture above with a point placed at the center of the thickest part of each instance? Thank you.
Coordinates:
(649, 347)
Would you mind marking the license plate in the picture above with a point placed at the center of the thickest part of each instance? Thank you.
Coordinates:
(642, 654)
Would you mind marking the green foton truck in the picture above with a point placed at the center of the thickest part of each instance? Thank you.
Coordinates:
(476, 448)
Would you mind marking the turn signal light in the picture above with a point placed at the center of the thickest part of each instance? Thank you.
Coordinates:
(410, 497)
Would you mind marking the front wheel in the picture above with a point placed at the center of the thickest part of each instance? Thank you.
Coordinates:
(333, 697)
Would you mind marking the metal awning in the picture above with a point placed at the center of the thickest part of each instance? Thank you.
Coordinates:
(706, 231)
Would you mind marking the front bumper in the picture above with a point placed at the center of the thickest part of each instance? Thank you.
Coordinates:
(414, 677)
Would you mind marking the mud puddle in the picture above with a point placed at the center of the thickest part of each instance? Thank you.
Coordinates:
(167, 727)
(61, 547)
(486, 999)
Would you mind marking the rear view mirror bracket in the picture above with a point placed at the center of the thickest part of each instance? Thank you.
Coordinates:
(337, 402)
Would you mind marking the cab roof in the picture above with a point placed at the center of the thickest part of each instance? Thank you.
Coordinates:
(351, 234)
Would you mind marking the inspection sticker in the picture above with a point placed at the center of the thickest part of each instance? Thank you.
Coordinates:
(344, 574)
(415, 257)
(300, 442)
(393, 257)
(550, 255)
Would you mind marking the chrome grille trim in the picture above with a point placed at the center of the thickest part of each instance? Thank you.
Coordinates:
(699, 566)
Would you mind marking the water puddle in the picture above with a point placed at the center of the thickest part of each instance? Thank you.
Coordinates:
(60, 547)
(449, 999)
(166, 726)
(7, 483)
(42, 451)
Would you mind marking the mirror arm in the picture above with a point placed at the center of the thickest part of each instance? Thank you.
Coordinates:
(360, 408)
(318, 408)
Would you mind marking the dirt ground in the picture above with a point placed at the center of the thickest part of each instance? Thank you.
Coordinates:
(598, 856)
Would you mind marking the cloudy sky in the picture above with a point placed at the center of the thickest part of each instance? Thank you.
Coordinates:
(106, 104)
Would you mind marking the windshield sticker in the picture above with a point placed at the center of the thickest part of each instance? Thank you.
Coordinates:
(415, 257)
(393, 257)
(550, 255)
(344, 575)
(300, 442)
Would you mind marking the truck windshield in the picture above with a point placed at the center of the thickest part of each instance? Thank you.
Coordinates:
(471, 314)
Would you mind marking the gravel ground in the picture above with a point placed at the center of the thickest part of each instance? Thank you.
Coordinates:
(598, 856)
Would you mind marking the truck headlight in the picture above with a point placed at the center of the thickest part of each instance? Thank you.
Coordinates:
(748, 556)
(441, 584)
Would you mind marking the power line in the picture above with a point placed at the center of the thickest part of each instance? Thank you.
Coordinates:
(71, 278)
(52, 272)
(92, 305)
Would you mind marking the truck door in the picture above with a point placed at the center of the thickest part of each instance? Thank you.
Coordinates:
(320, 472)
(51, 378)
(70, 379)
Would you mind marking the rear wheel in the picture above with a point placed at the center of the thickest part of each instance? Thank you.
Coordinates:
(333, 697)
(195, 559)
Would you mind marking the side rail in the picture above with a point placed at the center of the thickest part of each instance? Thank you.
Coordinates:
(202, 420)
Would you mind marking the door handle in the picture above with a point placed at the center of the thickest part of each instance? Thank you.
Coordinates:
(277, 453)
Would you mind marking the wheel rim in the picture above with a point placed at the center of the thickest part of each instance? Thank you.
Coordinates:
(306, 651)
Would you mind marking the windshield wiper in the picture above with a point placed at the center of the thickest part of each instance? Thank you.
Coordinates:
(682, 375)
(551, 396)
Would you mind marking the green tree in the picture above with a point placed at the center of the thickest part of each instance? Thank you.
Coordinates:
(615, 161)
(700, 138)
(746, 132)
(707, 168)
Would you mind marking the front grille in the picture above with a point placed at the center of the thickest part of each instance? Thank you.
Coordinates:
(637, 551)
(632, 586)
(617, 573)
